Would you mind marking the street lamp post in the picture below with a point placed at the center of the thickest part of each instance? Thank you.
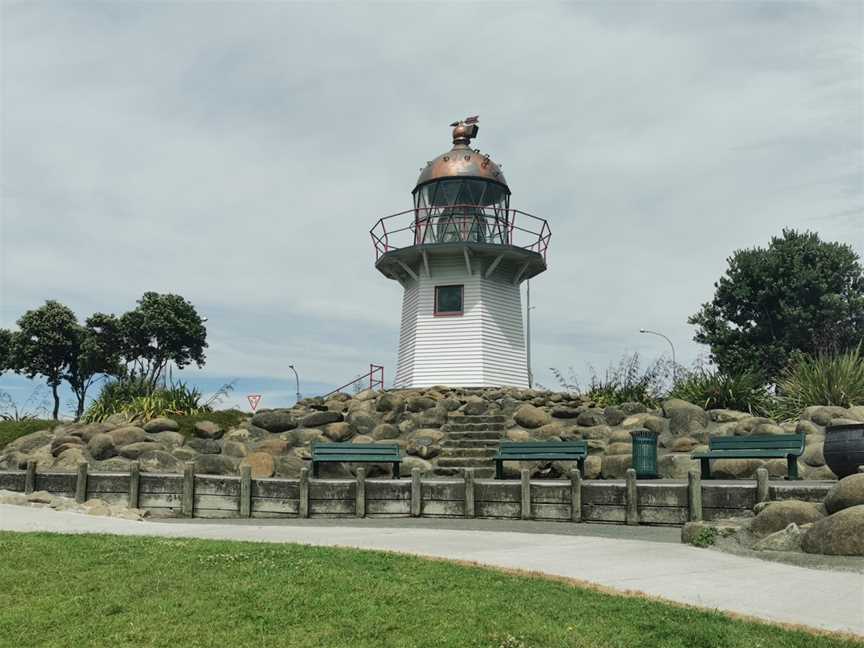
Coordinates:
(297, 380)
(671, 346)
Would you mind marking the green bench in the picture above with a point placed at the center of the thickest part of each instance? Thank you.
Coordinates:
(542, 451)
(760, 446)
(356, 453)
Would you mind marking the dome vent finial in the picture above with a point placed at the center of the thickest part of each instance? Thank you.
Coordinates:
(465, 130)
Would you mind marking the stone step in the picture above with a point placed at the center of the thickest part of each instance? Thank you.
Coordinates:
(481, 453)
(471, 443)
(476, 435)
(477, 419)
(473, 427)
(479, 473)
(463, 462)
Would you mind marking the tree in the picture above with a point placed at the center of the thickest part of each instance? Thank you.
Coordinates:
(96, 354)
(163, 328)
(800, 294)
(5, 350)
(45, 344)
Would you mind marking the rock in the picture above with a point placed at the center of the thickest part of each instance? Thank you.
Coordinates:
(89, 430)
(518, 435)
(745, 427)
(161, 424)
(39, 497)
(365, 395)
(596, 446)
(419, 403)
(856, 413)
(614, 415)
(316, 419)
(362, 438)
(262, 464)
(135, 450)
(768, 428)
(68, 460)
(817, 473)
(128, 434)
(602, 432)
(255, 433)
(434, 417)
(335, 404)
(289, 466)
(593, 467)
(788, 539)
(361, 423)
(726, 415)
(449, 404)
(475, 406)
(338, 431)
(169, 439)
(304, 436)
(684, 444)
(840, 534)
(410, 463)
(385, 431)
(273, 447)
(101, 446)
(778, 515)
(531, 417)
(824, 415)
(207, 430)
(11, 497)
(274, 421)
(554, 430)
(565, 412)
(620, 436)
(388, 402)
(95, 507)
(735, 468)
(684, 418)
(591, 417)
(213, 464)
(235, 449)
(808, 428)
(184, 453)
(813, 456)
(159, 461)
(619, 449)
(30, 442)
(676, 466)
(423, 446)
(615, 466)
(112, 465)
(846, 493)
(204, 446)
(60, 449)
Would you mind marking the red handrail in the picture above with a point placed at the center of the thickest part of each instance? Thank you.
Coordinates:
(375, 376)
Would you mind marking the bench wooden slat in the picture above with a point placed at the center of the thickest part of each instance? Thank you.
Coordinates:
(760, 446)
(356, 453)
(548, 450)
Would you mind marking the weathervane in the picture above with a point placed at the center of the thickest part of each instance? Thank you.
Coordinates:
(465, 130)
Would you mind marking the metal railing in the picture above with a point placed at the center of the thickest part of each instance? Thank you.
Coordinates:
(375, 376)
(460, 223)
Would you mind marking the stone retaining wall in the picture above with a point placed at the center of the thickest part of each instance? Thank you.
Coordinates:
(625, 501)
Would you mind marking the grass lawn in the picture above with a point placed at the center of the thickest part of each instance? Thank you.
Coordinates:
(122, 591)
(11, 430)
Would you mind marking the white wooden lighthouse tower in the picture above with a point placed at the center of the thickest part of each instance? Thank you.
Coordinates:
(461, 255)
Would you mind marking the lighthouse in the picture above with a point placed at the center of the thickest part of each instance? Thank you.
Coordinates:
(461, 255)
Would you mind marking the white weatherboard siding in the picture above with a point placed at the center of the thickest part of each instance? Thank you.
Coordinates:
(483, 347)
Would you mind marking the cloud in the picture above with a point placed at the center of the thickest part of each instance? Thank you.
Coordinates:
(239, 153)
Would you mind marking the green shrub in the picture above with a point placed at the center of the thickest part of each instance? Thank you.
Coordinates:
(134, 399)
(716, 390)
(705, 538)
(628, 382)
(821, 380)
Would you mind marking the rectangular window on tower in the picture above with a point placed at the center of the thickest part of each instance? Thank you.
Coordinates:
(449, 300)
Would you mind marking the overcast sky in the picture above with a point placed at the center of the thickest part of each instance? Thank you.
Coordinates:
(238, 153)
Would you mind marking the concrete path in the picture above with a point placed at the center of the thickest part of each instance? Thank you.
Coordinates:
(828, 600)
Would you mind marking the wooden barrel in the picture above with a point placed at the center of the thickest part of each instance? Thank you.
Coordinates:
(844, 448)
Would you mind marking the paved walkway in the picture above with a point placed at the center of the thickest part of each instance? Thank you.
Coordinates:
(821, 599)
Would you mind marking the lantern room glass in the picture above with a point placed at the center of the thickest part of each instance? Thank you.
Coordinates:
(461, 209)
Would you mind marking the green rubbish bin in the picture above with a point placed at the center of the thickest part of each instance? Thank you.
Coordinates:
(644, 453)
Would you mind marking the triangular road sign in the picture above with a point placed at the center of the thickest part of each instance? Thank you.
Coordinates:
(254, 399)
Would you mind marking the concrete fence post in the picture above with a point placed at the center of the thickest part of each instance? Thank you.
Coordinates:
(304, 493)
(526, 494)
(188, 500)
(134, 484)
(360, 495)
(762, 492)
(469, 492)
(694, 496)
(81, 483)
(575, 495)
(30, 478)
(416, 493)
(632, 495)
(245, 491)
